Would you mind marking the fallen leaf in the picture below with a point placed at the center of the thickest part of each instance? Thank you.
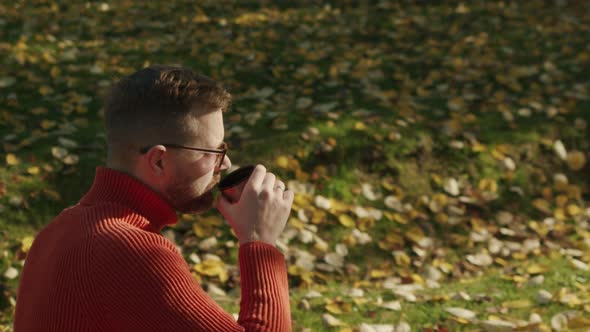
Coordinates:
(576, 160)
(34, 170)
(346, 221)
(322, 202)
(498, 326)
(26, 243)
(578, 264)
(71, 159)
(364, 327)
(331, 320)
(543, 297)
(461, 313)
(392, 305)
(517, 304)
(12, 160)
(559, 322)
(579, 322)
(538, 269)
(480, 259)
(451, 186)
(560, 150)
(11, 273)
(59, 152)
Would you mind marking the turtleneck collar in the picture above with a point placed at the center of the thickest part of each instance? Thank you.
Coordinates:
(114, 186)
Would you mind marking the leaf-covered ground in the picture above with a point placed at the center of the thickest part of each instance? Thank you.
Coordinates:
(439, 151)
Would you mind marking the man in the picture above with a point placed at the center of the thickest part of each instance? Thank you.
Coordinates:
(102, 265)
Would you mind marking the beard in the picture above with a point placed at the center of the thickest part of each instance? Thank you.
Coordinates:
(183, 198)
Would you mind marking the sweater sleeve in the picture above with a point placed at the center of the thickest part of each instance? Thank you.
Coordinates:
(265, 288)
(142, 283)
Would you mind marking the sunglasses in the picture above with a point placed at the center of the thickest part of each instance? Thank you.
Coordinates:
(221, 152)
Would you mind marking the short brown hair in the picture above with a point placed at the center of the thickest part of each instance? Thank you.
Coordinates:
(151, 107)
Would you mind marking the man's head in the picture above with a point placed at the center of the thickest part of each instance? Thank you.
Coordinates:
(160, 106)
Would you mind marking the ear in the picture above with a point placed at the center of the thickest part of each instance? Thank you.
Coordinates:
(156, 158)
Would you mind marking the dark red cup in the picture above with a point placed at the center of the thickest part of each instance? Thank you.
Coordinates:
(231, 185)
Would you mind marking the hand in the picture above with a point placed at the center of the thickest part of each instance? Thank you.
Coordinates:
(262, 210)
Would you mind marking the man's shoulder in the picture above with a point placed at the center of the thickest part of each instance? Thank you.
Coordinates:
(125, 236)
(107, 226)
(110, 218)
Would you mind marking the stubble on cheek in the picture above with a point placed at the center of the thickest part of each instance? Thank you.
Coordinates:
(185, 198)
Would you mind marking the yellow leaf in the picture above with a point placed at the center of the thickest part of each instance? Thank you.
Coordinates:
(47, 124)
(338, 207)
(478, 147)
(376, 274)
(441, 199)
(401, 258)
(517, 304)
(54, 72)
(391, 241)
(33, 170)
(519, 256)
(295, 270)
(441, 218)
(26, 243)
(199, 230)
(539, 228)
(542, 205)
(574, 192)
(561, 200)
(538, 269)
(500, 261)
(334, 308)
(360, 301)
(578, 322)
(489, 185)
(296, 223)
(576, 160)
(360, 126)
(212, 268)
(346, 221)
(499, 155)
(282, 162)
(12, 160)
(417, 278)
(461, 320)
(559, 214)
(203, 225)
(415, 234)
(400, 218)
(388, 184)
(574, 210)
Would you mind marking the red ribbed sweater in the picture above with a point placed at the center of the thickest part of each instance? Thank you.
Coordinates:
(102, 265)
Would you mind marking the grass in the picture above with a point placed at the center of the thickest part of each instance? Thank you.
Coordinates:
(491, 287)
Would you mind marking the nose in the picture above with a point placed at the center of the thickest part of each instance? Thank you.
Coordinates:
(226, 164)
